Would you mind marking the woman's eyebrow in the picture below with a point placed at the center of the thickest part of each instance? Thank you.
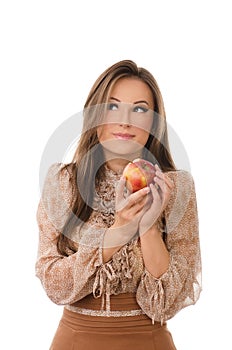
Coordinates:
(140, 101)
(114, 98)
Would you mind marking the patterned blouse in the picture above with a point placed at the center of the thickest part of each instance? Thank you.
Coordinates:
(67, 279)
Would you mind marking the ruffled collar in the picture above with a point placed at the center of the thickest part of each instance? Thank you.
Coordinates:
(112, 173)
(104, 198)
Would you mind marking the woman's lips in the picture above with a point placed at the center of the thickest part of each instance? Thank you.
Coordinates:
(122, 136)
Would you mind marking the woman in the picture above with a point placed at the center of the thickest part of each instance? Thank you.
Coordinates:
(121, 263)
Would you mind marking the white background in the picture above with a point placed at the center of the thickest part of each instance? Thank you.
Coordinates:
(51, 53)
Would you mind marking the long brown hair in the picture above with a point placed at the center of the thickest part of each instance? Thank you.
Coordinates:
(85, 174)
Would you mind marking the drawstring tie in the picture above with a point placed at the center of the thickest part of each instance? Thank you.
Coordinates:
(157, 302)
(109, 276)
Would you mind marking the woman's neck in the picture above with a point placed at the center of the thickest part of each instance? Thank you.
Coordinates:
(118, 163)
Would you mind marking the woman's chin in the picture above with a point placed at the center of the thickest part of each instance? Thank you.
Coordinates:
(121, 147)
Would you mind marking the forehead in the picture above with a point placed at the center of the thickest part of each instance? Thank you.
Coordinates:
(131, 89)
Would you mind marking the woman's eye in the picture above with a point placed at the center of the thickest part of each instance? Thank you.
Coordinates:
(112, 106)
(140, 109)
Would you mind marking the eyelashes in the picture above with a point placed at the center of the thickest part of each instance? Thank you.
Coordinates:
(140, 109)
(136, 109)
(112, 107)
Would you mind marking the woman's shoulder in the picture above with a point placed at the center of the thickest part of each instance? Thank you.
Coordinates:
(59, 179)
(183, 189)
(59, 173)
(181, 176)
(57, 193)
(182, 202)
(62, 169)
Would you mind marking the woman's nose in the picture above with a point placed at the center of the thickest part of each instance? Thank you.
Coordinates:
(125, 119)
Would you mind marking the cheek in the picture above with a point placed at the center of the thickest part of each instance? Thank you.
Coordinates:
(144, 124)
(103, 132)
(143, 131)
(141, 135)
(147, 124)
(100, 132)
(144, 137)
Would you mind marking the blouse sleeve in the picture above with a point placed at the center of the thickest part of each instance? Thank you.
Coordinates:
(65, 279)
(180, 286)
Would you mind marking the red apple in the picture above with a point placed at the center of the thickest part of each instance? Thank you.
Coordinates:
(139, 173)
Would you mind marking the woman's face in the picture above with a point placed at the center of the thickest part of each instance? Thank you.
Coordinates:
(128, 120)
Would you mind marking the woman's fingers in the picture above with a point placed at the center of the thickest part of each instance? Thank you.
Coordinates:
(155, 193)
(134, 201)
(161, 176)
(120, 188)
(120, 201)
(164, 186)
(137, 197)
(160, 183)
(163, 182)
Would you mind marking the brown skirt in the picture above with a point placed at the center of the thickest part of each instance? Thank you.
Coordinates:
(84, 332)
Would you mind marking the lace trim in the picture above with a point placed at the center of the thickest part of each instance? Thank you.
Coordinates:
(104, 313)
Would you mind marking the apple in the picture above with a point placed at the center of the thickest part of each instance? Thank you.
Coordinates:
(138, 174)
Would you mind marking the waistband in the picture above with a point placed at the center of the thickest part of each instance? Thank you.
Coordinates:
(121, 305)
(105, 324)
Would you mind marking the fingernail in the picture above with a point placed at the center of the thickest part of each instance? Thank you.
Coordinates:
(146, 189)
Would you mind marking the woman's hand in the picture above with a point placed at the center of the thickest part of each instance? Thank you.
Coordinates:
(129, 208)
(160, 194)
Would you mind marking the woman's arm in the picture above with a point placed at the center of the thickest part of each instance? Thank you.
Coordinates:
(161, 296)
(155, 254)
(65, 279)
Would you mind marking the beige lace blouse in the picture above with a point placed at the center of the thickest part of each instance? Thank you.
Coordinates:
(67, 279)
